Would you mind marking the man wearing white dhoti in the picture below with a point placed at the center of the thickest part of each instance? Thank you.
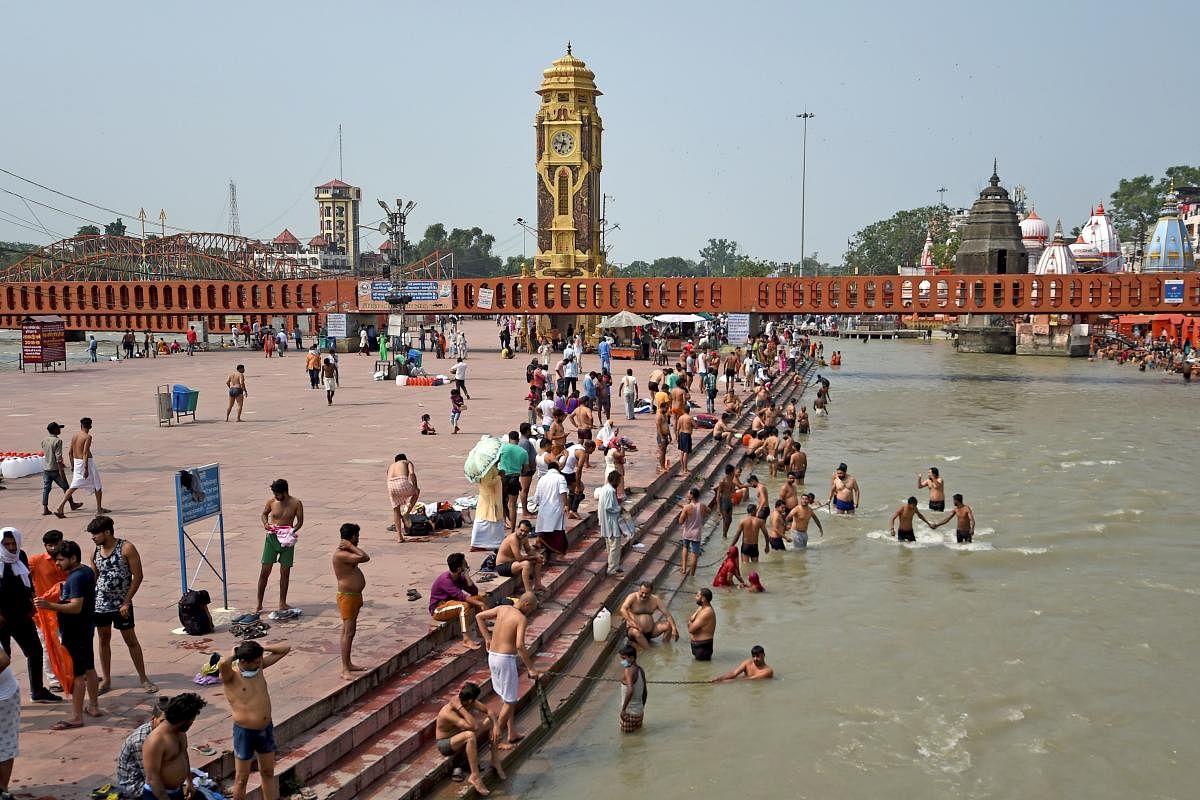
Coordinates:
(85, 475)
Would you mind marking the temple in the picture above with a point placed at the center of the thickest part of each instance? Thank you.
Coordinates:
(1098, 248)
(1057, 258)
(1034, 233)
(991, 238)
(1170, 249)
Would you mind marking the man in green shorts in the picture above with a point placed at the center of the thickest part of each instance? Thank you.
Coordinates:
(282, 518)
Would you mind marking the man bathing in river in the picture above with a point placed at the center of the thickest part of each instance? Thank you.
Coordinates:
(754, 668)
(504, 643)
(348, 559)
(844, 494)
(937, 489)
(723, 498)
(748, 531)
(966, 520)
(798, 519)
(702, 626)
(905, 514)
(639, 609)
(462, 726)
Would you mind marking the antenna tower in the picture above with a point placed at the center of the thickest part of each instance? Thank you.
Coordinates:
(341, 173)
(235, 224)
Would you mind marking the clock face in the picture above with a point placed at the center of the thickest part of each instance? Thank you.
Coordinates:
(563, 143)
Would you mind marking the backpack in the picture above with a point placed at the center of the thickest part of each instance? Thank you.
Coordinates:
(446, 520)
(193, 612)
(419, 525)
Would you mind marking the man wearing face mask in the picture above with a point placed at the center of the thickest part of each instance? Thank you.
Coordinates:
(165, 754)
(250, 706)
(633, 690)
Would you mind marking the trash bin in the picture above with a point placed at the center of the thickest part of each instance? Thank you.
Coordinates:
(184, 401)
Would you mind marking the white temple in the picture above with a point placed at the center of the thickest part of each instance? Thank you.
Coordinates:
(1034, 233)
(1057, 258)
(1098, 248)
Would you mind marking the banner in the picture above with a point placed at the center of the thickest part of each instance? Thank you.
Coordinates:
(426, 295)
(485, 299)
(737, 327)
(335, 325)
(43, 341)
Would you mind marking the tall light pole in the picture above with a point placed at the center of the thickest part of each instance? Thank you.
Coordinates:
(394, 227)
(806, 116)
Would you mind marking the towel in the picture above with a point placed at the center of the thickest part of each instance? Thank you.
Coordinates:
(13, 559)
(505, 675)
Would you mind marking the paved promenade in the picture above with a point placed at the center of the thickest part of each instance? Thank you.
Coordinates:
(335, 459)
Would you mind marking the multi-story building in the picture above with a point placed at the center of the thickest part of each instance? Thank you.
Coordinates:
(338, 218)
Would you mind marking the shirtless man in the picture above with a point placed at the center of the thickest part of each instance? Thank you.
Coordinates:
(748, 531)
(638, 611)
(732, 404)
(802, 424)
(347, 561)
(905, 514)
(679, 402)
(819, 405)
(165, 751)
(662, 431)
(283, 516)
(558, 432)
(843, 491)
(702, 626)
(777, 526)
(761, 499)
(250, 707)
(798, 519)
(937, 489)
(504, 643)
(732, 362)
(683, 427)
(754, 668)
(798, 464)
(656, 381)
(237, 391)
(515, 558)
(787, 492)
(965, 529)
(403, 491)
(723, 499)
(771, 448)
(722, 432)
(462, 725)
(583, 420)
(85, 476)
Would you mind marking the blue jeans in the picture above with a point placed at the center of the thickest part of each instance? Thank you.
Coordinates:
(49, 478)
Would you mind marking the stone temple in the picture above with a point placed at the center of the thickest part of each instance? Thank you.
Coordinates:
(990, 240)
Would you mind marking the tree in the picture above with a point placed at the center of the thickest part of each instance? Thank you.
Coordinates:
(472, 249)
(882, 247)
(116, 228)
(1136, 201)
(719, 257)
(88, 230)
(12, 252)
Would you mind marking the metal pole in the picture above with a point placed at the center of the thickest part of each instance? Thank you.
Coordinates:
(806, 116)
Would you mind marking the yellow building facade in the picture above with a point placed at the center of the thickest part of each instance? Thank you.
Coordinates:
(338, 216)
(568, 132)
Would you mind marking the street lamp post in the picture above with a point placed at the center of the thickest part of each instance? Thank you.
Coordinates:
(395, 228)
(806, 116)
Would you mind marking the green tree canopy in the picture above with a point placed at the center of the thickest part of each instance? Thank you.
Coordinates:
(88, 230)
(115, 228)
(472, 249)
(12, 252)
(719, 257)
(1136, 201)
(882, 247)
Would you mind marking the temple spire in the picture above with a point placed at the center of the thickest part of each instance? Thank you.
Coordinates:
(995, 180)
(568, 47)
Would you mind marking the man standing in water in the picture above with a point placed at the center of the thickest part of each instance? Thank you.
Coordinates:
(638, 611)
(690, 519)
(937, 489)
(755, 667)
(504, 643)
(237, 391)
(723, 499)
(633, 690)
(798, 519)
(250, 707)
(905, 514)
(966, 520)
(282, 518)
(748, 531)
(844, 494)
(165, 753)
(348, 559)
(85, 476)
(702, 626)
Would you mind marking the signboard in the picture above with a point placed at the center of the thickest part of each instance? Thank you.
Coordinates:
(203, 498)
(1173, 291)
(485, 299)
(738, 328)
(396, 325)
(335, 325)
(426, 295)
(43, 340)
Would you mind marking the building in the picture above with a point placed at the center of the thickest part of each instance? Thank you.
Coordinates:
(568, 131)
(289, 259)
(1169, 248)
(1034, 233)
(1098, 248)
(1058, 257)
(990, 241)
(338, 219)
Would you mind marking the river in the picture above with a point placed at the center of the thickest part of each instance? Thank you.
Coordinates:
(1053, 657)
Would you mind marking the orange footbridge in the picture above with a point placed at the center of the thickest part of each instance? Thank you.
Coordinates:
(104, 283)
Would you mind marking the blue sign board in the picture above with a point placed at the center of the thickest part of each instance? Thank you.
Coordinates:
(419, 290)
(203, 498)
(1173, 291)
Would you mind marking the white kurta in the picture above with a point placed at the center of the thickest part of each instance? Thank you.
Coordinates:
(552, 516)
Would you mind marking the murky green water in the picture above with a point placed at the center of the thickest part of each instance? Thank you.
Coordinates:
(1054, 657)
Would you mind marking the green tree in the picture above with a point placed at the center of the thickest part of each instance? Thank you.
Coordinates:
(635, 269)
(882, 247)
(719, 257)
(1137, 201)
(472, 249)
(116, 228)
(88, 230)
(12, 252)
(747, 267)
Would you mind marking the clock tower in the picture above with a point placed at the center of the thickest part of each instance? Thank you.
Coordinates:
(568, 131)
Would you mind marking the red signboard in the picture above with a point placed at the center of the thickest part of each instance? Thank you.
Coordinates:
(43, 341)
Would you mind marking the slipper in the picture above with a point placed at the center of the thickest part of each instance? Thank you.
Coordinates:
(308, 793)
(60, 515)
(247, 618)
(413, 594)
(65, 725)
(205, 749)
(457, 775)
(149, 687)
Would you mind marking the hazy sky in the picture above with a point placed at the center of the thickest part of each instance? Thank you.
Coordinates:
(157, 105)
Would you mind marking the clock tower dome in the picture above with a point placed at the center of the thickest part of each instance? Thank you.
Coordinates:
(568, 132)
